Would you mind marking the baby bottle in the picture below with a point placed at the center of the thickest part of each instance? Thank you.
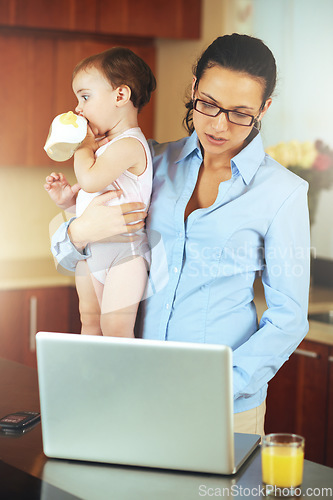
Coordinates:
(66, 133)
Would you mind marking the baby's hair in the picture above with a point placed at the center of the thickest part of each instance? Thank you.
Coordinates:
(121, 66)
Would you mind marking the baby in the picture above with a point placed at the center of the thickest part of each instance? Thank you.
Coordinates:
(111, 88)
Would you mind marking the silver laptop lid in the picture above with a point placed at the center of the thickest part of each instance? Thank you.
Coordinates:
(136, 402)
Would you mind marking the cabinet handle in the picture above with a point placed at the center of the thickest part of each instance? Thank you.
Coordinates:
(330, 359)
(307, 354)
(33, 323)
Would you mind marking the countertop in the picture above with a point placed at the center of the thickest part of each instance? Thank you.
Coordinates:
(321, 300)
(92, 481)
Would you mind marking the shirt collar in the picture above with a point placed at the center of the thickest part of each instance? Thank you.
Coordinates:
(191, 145)
(250, 158)
(246, 162)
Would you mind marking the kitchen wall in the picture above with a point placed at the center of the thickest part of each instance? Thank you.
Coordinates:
(299, 34)
(26, 212)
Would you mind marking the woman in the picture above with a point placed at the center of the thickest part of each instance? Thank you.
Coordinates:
(223, 213)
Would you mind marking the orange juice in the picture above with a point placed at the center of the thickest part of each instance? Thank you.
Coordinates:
(282, 466)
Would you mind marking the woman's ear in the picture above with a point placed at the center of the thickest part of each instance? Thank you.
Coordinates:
(123, 95)
(194, 86)
(265, 108)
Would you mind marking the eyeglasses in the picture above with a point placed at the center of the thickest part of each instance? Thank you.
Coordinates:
(208, 109)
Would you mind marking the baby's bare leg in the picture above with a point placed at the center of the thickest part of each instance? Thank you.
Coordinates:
(90, 310)
(123, 290)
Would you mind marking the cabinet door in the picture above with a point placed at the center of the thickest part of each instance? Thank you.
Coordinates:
(74, 322)
(12, 328)
(25, 312)
(144, 18)
(27, 97)
(297, 398)
(47, 309)
(7, 8)
(329, 445)
(77, 15)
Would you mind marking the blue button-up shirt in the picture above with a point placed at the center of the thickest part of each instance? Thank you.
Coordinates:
(203, 268)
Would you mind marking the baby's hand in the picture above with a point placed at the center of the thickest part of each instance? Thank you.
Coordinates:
(60, 191)
(90, 142)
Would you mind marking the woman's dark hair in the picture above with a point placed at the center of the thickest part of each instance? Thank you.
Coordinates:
(121, 66)
(241, 53)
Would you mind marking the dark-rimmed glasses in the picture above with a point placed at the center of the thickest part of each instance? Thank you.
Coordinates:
(209, 109)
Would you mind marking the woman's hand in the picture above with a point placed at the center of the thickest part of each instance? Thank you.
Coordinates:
(60, 191)
(100, 222)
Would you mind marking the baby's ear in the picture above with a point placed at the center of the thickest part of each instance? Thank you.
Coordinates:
(123, 95)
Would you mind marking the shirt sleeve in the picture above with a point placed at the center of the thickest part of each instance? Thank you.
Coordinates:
(285, 278)
(63, 250)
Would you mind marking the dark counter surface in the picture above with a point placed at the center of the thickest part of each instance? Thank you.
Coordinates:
(62, 479)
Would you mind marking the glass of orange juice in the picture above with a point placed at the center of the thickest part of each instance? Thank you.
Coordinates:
(282, 457)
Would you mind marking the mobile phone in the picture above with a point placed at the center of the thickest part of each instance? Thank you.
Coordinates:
(19, 421)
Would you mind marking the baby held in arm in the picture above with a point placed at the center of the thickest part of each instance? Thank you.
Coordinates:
(114, 159)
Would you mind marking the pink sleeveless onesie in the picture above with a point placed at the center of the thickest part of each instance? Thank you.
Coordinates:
(134, 188)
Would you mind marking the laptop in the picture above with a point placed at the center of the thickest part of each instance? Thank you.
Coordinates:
(139, 402)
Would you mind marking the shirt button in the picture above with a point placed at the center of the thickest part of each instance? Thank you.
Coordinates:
(180, 235)
(167, 306)
(175, 270)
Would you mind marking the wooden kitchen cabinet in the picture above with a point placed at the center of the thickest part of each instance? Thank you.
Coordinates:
(171, 19)
(11, 325)
(28, 101)
(300, 400)
(75, 15)
(37, 87)
(25, 312)
(144, 18)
